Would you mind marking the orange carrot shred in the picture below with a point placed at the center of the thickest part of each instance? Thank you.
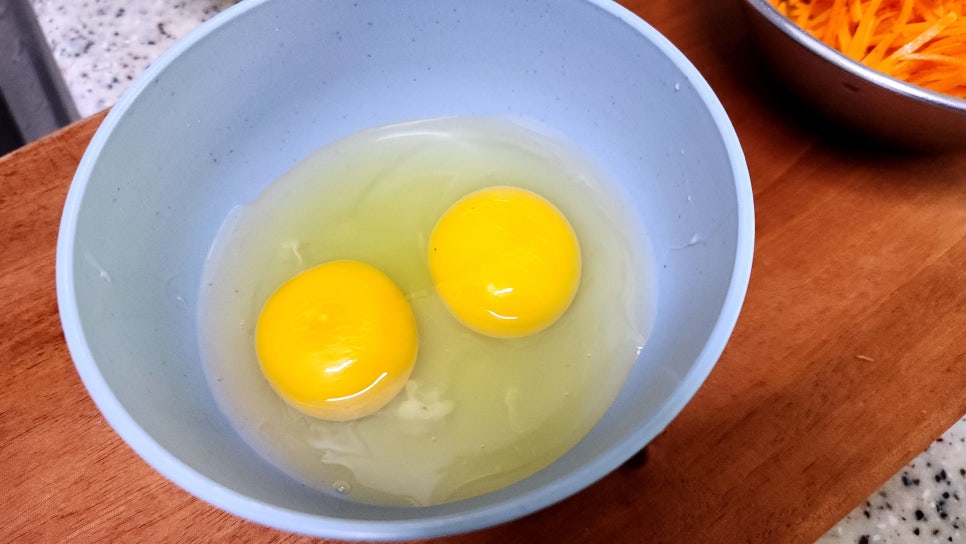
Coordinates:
(920, 41)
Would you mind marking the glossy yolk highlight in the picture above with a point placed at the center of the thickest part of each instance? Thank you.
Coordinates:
(505, 261)
(337, 341)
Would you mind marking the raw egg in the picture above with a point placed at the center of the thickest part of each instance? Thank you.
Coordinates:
(505, 261)
(337, 341)
(478, 411)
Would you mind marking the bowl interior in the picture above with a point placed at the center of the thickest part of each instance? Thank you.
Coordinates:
(240, 101)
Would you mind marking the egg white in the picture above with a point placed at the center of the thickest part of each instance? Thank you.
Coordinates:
(478, 413)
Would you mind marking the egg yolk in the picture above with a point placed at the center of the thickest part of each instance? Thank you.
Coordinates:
(337, 341)
(505, 261)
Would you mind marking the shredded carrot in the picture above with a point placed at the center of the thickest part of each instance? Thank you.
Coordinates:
(919, 41)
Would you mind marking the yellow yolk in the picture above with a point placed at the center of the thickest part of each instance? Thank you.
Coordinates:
(505, 261)
(337, 341)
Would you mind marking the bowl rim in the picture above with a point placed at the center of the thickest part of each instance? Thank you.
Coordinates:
(475, 514)
(844, 62)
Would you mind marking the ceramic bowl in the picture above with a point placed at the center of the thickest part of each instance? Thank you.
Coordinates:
(852, 95)
(238, 102)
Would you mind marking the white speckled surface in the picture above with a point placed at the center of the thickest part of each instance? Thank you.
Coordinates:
(102, 45)
(924, 502)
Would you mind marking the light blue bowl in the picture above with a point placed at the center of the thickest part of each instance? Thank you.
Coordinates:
(253, 91)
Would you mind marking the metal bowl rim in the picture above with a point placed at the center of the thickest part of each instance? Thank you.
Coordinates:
(844, 62)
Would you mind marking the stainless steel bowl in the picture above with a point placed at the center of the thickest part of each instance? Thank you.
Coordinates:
(852, 94)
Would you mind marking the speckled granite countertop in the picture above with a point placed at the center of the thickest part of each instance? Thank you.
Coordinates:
(924, 502)
(103, 45)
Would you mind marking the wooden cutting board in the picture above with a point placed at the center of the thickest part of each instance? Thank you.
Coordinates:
(849, 357)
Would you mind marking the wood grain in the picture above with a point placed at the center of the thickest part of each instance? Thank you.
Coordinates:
(847, 361)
